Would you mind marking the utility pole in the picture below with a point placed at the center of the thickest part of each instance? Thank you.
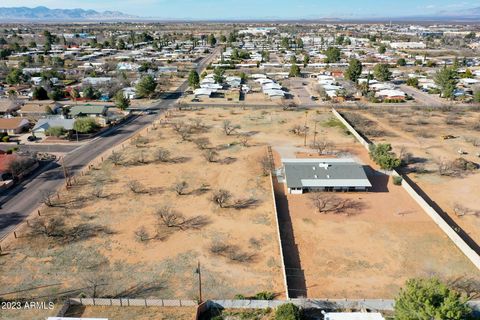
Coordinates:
(315, 134)
(198, 271)
(305, 129)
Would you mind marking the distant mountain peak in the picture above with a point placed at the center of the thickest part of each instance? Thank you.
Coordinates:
(42, 13)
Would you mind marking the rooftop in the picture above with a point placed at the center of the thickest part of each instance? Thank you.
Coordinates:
(324, 173)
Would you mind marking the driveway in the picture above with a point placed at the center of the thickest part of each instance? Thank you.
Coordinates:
(423, 97)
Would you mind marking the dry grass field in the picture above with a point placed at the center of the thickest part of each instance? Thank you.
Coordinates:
(131, 227)
(90, 240)
(420, 132)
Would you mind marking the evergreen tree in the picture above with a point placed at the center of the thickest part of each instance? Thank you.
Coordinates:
(194, 79)
(354, 70)
(146, 86)
(427, 299)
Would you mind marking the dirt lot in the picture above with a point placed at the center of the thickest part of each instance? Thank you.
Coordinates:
(99, 249)
(133, 313)
(95, 245)
(419, 131)
(371, 252)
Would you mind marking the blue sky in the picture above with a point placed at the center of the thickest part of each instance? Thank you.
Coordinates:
(239, 9)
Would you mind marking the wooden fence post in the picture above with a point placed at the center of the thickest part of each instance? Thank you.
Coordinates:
(145, 302)
(38, 212)
(15, 234)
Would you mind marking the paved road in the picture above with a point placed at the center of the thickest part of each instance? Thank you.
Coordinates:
(43, 147)
(423, 97)
(17, 203)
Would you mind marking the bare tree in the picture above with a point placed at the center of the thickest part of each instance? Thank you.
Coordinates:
(198, 124)
(266, 164)
(94, 282)
(211, 155)
(141, 157)
(141, 234)
(136, 187)
(140, 141)
(221, 197)
(116, 158)
(322, 146)
(180, 188)
(445, 168)
(178, 126)
(48, 197)
(461, 210)
(185, 134)
(162, 155)
(298, 130)
(50, 227)
(229, 128)
(171, 218)
(202, 143)
(98, 191)
(326, 203)
(244, 139)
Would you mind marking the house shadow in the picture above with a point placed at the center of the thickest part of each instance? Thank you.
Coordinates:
(378, 179)
(296, 284)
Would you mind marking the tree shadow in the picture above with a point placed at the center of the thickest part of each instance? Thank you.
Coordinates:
(228, 160)
(143, 290)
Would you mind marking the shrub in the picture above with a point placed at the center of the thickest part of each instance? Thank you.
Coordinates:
(383, 156)
(287, 311)
(397, 180)
(85, 125)
(264, 295)
(55, 131)
(6, 139)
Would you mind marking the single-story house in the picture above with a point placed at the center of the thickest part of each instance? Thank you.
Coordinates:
(96, 81)
(305, 175)
(13, 125)
(43, 124)
(130, 93)
(96, 111)
(39, 109)
(202, 92)
(274, 93)
(8, 106)
(391, 94)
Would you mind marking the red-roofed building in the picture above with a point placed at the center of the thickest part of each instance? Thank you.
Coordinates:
(5, 161)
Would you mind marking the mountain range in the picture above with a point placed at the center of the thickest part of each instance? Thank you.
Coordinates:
(46, 14)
